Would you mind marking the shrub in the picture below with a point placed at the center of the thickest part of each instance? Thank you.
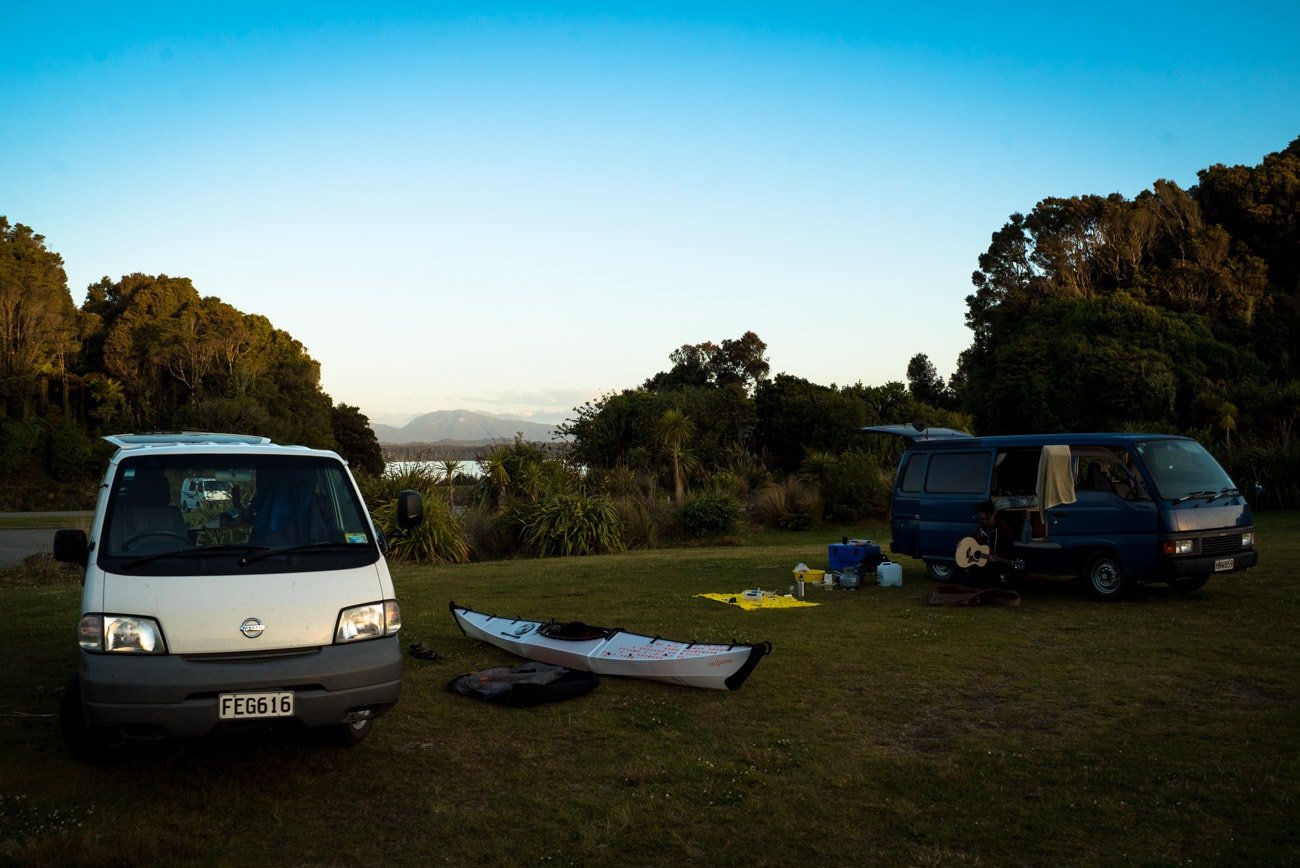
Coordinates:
(747, 466)
(789, 505)
(437, 539)
(73, 455)
(709, 515)
(727, 484)
(21, 445)
(566, 524)
(486, 532)
(853, 487)
(523, 471)
(646, 520)
(619, 481)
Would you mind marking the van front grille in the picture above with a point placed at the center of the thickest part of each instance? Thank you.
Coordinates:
(1221, 543)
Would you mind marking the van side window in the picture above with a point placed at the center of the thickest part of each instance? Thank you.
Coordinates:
(1107, 470)
(960, 473)
(913, 473)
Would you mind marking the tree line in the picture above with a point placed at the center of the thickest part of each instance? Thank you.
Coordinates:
(143, 353)
(1175, 311)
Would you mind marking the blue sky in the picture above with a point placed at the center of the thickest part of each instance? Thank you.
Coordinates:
(516, 207)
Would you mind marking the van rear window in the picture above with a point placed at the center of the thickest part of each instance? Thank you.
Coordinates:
(912, 473)
(959, 473)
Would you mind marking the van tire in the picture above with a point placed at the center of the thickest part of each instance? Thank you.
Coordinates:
(940, 571)
(87, 745)
(1103, 578)
(352, 734)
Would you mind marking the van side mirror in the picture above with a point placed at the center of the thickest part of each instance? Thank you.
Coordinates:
(410, 509)
(70, 547)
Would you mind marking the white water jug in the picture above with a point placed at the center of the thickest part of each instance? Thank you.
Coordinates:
(890, 574)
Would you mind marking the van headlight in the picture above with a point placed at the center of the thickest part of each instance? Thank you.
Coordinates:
(121, 634)
(1179, 546)
(1248, 539)
(368, 622)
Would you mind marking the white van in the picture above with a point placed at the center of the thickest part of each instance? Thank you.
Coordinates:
(204, 492)
(280, 608)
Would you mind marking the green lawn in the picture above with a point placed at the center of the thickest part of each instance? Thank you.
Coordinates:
(881, 730)
(81, 520)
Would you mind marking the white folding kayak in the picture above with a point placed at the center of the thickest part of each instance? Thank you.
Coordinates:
(615, 651)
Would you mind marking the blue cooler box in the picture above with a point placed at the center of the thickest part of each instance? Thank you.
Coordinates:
(843, 556)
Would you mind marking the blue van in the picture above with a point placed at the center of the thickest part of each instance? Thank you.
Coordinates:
(1111, 509)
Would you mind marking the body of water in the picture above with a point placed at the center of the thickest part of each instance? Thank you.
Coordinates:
(469, 469)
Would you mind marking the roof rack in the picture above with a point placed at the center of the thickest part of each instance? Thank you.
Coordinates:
(176, 438)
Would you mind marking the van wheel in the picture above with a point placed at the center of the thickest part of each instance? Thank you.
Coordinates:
(1189, 583)
(939, 571)
(87, 745)
(1104, 579)
(352, 734)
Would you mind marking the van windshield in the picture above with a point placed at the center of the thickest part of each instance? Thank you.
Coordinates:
(1182, 469)
(302, 506)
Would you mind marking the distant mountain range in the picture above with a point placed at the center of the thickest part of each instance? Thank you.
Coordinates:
(461, 426)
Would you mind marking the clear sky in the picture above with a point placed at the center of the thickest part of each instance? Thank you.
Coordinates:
(517, 207)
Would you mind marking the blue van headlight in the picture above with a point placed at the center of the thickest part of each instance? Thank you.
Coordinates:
(1247, 539)
(1179, 546)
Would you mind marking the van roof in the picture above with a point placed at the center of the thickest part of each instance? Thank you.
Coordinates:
(1027, 441)
(202, 443)
(184, 438)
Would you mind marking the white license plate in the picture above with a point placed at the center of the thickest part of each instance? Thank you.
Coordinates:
(1222, 564)
(249, 706)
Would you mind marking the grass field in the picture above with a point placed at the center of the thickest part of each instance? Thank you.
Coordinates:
(880, 730)
(17, 521)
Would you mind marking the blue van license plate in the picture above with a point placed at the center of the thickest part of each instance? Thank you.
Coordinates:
(1222, 564)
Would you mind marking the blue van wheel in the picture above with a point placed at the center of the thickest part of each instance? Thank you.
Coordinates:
(940, 571)
(1104, 578)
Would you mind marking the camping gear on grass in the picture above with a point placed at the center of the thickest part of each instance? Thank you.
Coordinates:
(768, 601)
(890, 574)
(524, 686)
(615, 651)
(802, 573)
(853, 553)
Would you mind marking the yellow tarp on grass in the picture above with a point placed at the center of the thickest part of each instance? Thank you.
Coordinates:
(768, 601)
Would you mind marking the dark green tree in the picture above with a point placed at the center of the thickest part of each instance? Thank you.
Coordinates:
(38, 322)
(741, 362)
(355, 440)
(924, 382)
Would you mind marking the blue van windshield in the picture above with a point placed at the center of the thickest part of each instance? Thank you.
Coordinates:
(1183, 469)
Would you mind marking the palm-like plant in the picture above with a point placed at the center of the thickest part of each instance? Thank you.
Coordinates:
(450, 468)
(495, 478)
(672, 432)
(816, 467)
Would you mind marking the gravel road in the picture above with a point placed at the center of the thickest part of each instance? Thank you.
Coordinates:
(18, 543)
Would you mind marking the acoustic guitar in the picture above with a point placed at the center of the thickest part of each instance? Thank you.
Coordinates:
(970, 553)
